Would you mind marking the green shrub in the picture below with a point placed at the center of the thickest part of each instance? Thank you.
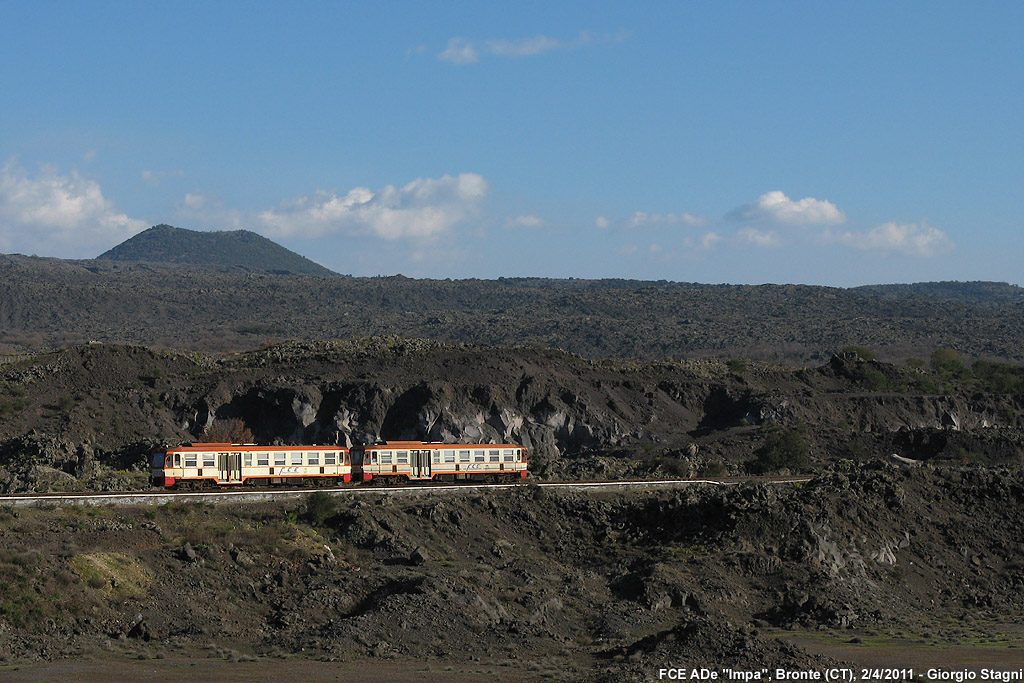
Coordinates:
(737, 366)
(674, 467)
(870, 377)
(947, 362)
(1000, 378)
(320, 507)
(11, 406)
(782, 449)
(713, 468)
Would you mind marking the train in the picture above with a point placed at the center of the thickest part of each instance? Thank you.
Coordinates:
(219, 465)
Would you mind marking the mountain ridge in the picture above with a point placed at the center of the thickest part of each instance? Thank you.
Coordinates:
(52, 302)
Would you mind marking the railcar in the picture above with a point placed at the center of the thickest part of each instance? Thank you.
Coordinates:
(420, 461)
(209, 465)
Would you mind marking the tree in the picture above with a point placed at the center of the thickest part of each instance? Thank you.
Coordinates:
(947, 362)
(228, 431)
(782, 449)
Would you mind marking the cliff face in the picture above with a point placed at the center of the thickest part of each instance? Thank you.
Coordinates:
(577, 417)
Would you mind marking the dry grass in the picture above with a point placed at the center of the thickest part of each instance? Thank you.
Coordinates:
(114, 575)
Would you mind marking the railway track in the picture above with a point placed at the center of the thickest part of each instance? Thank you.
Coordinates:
(160, 497)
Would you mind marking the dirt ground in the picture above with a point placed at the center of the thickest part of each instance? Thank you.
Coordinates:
(856, 649)
(104, 669)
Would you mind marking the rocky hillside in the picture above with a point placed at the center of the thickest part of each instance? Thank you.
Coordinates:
(241, 248)
(908, 536)
(977, 293)
(865, 565)
(67, 412)
(49, 303)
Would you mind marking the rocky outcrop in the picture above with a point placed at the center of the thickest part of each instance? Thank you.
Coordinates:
(354, 413)
(91, 405)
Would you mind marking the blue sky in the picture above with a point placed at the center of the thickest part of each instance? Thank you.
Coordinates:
(836, 143)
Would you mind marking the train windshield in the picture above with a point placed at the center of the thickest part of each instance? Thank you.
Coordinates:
(158, 460)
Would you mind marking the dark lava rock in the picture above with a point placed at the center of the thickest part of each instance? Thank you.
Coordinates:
(419, 556)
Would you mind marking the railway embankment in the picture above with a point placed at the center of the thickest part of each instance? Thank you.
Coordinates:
(531, 580)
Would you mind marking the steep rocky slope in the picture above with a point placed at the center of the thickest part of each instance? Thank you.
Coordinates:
(96, 404)
(564, 585)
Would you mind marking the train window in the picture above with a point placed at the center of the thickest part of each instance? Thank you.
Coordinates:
(190, 460)
(247, 459)
(209, 459)
(478, 456)
(495, 456)
(330, 458)
(508, 455)
(385, 457)
(262, 459)
(348, 458)
(279, 459)
(449, 456)
(296, 457)
(463, 456)
(403, 458)
(519, 455)
(435, 457)
(177, 459)
(314, 458)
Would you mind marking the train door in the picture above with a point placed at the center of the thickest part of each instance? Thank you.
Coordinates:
(420, 464)
(230, 465)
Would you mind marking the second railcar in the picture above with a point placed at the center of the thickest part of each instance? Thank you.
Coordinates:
(418, 461)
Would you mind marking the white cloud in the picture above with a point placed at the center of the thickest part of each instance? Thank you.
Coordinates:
(58, 215)
(642, 219)
(913, 239)
(154, 177)
(602, 223)
(197, 201)
(705, 243)
(463, 51)
(526, 47)
(424, 208)
(527, 221)
(709, 240)
(459, 51)
(776, 208)
(208, 212)
(758, 238)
